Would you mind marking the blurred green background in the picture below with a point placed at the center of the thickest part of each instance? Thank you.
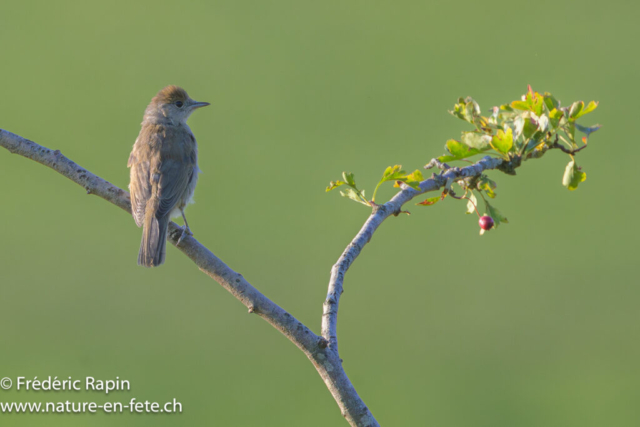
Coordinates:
(535, 324)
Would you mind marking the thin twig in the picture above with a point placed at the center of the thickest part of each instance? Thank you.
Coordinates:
(566, 150)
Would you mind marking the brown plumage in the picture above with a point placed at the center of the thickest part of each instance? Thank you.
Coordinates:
(164, 170)
(170, 94)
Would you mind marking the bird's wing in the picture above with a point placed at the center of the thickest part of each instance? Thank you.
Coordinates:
(139, 186)
(175, 175)
(175, 170)
(162, 166)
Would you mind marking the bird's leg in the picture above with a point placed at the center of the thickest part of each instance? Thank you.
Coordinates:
(185, 230)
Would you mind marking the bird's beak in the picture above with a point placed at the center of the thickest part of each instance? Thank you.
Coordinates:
(197, 104)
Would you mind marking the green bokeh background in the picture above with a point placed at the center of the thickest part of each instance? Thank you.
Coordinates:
(535, 324)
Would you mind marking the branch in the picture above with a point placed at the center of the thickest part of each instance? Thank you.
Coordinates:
(379, 214)
(435, 163)
(566, 150)
(326, 361)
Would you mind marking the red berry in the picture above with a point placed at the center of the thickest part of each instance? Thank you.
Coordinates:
(486, 222)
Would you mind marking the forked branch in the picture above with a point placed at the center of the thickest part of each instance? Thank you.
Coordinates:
(322, 351)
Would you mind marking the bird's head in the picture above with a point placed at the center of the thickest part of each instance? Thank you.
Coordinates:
(173, 105)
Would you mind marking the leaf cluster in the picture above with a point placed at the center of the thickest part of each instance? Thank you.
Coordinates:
(521, 130)
(391, 174)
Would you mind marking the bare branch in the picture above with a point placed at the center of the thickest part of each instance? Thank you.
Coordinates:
(379, 214)
(326, 361)
(566, 150)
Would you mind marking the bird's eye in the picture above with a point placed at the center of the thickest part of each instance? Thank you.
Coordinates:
(179, 104)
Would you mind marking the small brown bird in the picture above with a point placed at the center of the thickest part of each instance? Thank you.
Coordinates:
(164, 170)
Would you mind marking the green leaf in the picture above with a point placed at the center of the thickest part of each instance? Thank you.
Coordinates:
(530, 127)
(353, 195)
(466, 109)
(472, 106)
(395, 173)
(554, 117)
(416, 175)
(488, 186)
(536, 151)
(532, 101)
(414, 179)
(472, 203)
(458, 151)
(502, 141)
(573, 176)
(589, 108)
(570, 129)
(477, 140)
(520, 105)
(352, 192)
(538, 104)
(461, 111)
(576, 108)
(532, 145)
(348, 177)
(413, 184)
(495, 214)
(483, 123)
(334, 184)
(551, 102)
(392, 173)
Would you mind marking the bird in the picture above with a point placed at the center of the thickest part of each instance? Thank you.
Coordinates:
(164, 171)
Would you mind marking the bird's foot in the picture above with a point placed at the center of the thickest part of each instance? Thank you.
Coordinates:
(185, 231)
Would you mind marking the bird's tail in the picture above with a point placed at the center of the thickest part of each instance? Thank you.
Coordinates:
(154, 241)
